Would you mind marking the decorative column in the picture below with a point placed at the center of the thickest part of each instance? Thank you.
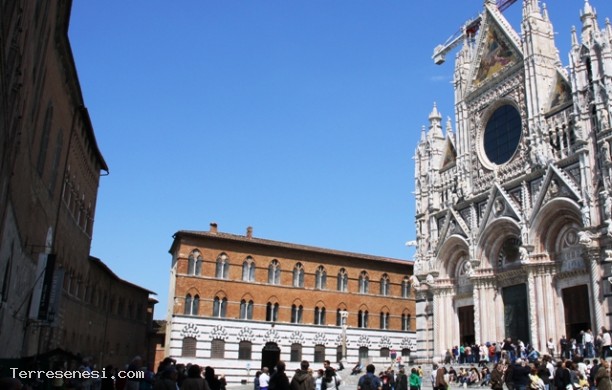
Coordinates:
(533, 319)
(592, 258)
(477, 303)
(343, 319)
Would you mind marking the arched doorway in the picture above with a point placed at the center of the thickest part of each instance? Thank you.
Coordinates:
(270, 355)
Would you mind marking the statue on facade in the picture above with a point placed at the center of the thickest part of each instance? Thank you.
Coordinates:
(605, 152)
(605, 122)
(523, 253)
(585, 238)
(608, 208)
(467, 268)
(414, 282)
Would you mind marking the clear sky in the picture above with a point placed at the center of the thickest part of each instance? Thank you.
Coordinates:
(299, 118)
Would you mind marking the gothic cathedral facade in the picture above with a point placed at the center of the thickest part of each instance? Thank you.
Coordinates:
(513, 206)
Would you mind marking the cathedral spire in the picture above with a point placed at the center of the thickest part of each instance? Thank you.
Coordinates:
(588, 17)
(575, 43)
(530, 7)
(545, 13)
(435, 123)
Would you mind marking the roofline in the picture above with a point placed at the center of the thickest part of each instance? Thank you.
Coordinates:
(71, 64)
(117, 278)
(271, 243)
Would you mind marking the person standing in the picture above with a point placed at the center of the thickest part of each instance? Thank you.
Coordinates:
(256, 385)
(279, 380)
(264, 379)
(605, 343)
(303, 379)
(402, 379)
(369, 381)
(415, 380)
(602, 378)
(550, 346)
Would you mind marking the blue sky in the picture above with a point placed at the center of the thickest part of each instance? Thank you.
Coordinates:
(299, 118)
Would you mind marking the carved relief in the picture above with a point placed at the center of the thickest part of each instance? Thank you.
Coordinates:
(190, 330)
(218, 332)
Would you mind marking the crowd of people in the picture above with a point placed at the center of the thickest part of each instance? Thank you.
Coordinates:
(542, 373)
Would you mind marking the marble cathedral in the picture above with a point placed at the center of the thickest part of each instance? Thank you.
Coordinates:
(513, 206)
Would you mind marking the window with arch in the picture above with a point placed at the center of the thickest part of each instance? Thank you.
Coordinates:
(274, 272)
(245, 349)
(192, 304)
(219, 307)
(298, 275)
(189, 347)
(320, 278)
(296, 314)
(217, 349)
(342, 280)
(246, 309)
(384, 285)
(272, 312)
(194, 263)
(384, 320)
(319, 353)
(384, 352)
(405, 287)
(362, 321)
(248, 270)
(296, 352)
(339, 356)
(405, 321)
(405, 352)
(222, 270)
(364, 282)
(319, 316)
(190, 265)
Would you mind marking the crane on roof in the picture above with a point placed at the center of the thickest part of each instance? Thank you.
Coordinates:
(469, 29)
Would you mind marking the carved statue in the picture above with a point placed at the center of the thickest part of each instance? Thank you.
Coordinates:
(414, 281)
(605, 151)
(605, 123)
(523, 253)
(586, 215)
(467, 268)
(429, 279)
(608, 207)
(584, 237)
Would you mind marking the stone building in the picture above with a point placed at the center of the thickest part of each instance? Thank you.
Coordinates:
(513, 205)
(52, 294)
(239, 303)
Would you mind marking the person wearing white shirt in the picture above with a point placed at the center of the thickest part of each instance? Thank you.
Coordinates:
(264, 379)
(606, 342)
(589, 351)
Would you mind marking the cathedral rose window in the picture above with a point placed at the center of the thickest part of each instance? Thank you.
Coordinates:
(502, 134)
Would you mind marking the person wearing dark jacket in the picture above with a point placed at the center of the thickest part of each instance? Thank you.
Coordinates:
(562, 377)
(520, 375)
(279, 380)
(303, 380)
(402, 380)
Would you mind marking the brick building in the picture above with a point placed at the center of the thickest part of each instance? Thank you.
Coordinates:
(238, 303)
(51, 293)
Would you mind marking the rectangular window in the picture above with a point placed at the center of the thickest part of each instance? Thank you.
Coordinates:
(244, 350)
(319, 353)
(217, 349)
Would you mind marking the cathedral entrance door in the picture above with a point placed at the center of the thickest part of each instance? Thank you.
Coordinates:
(270, 355)
(516, 312)
(577, 315)
(466, 324)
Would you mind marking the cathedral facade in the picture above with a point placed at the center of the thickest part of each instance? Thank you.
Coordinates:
(514, 205)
